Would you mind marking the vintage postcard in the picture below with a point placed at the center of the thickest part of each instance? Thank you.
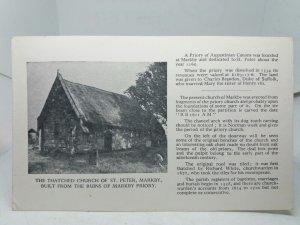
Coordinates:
(152, 123)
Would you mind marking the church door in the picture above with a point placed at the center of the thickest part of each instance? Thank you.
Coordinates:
(108, 141)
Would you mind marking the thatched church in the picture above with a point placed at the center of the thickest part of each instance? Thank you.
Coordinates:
(80, 118)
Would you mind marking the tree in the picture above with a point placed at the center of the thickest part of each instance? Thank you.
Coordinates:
(150, 90)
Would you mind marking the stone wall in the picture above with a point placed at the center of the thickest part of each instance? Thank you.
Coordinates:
(121, 139)
(58, 122)
(124, 139)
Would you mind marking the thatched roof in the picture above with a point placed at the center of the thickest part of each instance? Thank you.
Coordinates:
(99, 107)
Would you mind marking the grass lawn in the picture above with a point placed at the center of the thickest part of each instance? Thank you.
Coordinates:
(127, 161)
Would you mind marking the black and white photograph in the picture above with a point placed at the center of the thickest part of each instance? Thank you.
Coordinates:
(97, 117)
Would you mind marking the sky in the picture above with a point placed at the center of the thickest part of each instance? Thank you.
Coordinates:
(111, 76)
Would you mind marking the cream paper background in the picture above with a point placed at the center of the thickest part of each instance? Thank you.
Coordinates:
(28, 196)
